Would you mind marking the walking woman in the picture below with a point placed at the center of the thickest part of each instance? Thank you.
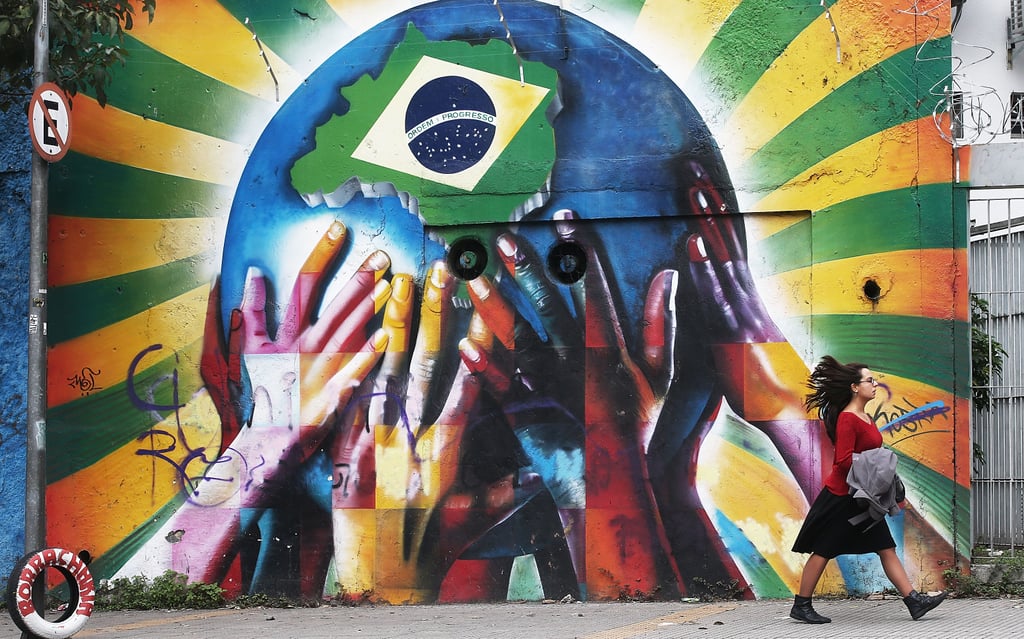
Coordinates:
(840, 392)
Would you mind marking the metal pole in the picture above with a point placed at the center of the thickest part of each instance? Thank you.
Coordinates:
(35, 440)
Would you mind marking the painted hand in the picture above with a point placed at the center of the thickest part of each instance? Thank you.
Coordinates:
(759, 371)
(396, 452)
(300, 379)
(221, 367)
(611, 396)
(307, 372)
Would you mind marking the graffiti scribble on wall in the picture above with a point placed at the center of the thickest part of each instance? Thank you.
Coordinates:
(85, 380)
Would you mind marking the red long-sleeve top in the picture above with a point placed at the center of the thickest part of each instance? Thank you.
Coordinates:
(853, 435)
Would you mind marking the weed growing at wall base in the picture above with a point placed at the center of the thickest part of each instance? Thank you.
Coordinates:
(992, 576)
(169, 590)
(172, 590)
(971, 586)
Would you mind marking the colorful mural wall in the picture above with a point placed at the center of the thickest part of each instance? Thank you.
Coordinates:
(474, 300)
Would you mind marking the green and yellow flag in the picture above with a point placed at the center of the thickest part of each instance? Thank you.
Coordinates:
(444, 122)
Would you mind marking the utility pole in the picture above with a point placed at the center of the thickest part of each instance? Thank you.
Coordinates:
(35, 440)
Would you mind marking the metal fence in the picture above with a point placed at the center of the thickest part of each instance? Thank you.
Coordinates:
(996, 275)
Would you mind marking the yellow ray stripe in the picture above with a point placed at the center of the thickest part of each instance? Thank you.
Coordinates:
(907, 278)
(758, 227)
(73, 502)
(676, 38)
(807, 71)
(763, 501)
(111, 134)
(82, 249)
(904, 155)
(176, 324)
(205, 37)
(361, 15)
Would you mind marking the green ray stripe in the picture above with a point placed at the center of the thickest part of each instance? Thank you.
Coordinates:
(918, 348)
(84, 186)
(940, 497)
(961, 217)
(107, 565)
(623, 8)
(80, 309)
(160, 88)
(741, 435)
(879, 98)
(730, 66)
(84, 431)
(877, 223)
(286, 28)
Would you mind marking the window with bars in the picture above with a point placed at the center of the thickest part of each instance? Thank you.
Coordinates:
(956, 115)
(1017, 115)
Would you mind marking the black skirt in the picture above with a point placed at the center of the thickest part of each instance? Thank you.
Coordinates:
(827, 531)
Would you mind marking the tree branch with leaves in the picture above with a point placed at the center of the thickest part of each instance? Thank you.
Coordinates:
(986, 362)
(86, 41)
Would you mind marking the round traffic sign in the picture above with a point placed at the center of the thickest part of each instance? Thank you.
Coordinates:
(50, 121)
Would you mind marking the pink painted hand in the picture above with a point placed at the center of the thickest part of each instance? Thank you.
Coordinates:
(300, 379)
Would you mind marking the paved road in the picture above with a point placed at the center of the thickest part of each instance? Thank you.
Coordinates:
(859, 618)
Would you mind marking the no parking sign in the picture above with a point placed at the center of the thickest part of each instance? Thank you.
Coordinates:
(49, 117)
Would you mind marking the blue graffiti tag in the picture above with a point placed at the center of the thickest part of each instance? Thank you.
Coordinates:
(910, 420)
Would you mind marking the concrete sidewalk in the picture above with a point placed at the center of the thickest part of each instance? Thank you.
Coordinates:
(882, 618)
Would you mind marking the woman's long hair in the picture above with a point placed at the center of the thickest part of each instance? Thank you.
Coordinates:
(830, 390)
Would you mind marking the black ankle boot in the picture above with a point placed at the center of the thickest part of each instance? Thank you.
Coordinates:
(803, 611)
(919, 604)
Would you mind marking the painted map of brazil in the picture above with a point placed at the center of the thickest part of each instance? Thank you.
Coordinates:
(445, 122)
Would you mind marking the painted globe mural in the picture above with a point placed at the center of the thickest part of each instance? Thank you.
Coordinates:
(459, 302)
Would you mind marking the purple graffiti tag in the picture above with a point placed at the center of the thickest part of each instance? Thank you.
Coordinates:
(189, 482)
(403, 416)
(162, 442)
(150, 405)
(251, 472)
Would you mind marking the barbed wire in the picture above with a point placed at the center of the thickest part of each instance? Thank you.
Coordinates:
(963, 112)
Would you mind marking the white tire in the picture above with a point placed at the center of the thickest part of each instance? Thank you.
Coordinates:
(21, 583)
